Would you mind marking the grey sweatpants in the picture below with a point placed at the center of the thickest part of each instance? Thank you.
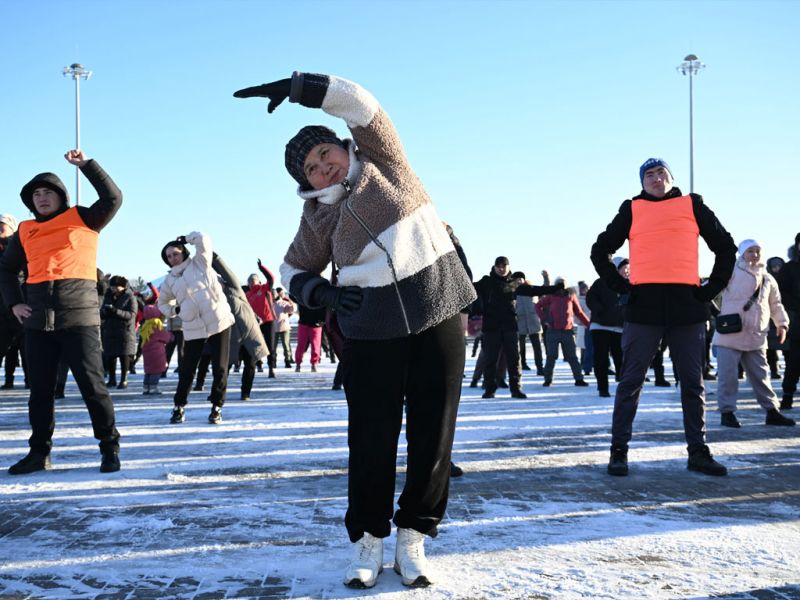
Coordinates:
(687, 349)
(755, 365)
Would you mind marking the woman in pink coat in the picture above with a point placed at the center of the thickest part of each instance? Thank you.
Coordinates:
(154, 348)
(753, 294)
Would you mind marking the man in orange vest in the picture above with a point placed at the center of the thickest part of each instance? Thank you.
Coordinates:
(663, 298)
(59, 310)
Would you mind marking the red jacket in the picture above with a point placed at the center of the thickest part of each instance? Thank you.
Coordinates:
(557, 311)
(260, 297)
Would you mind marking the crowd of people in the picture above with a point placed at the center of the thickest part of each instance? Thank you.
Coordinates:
(394, 313)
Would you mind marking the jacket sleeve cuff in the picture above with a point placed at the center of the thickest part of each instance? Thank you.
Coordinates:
(302, 287)
(308, 89)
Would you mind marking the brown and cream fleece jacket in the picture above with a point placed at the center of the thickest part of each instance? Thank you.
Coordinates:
(378, 226)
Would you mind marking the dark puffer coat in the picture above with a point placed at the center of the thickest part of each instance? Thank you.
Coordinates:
(119, 323)
(59, 303)
(496, 299)
(604, 304)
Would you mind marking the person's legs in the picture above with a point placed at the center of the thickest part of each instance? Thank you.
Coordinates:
(755, 365)
(551, 341)
(568, 348)
(286, 343)
(374, 373)
(316, 345)
(124, 368)
(44, 350)
(492, 343)
(192, 350)
(248, 372)
(727, 378)
(511, 351)
(639, 345)
(601, 343)
(83, 354)
(523, 339)
(537, 352)
(266, 330)
(434, 380)
(220, 345)
(687, 349)
(303, 339)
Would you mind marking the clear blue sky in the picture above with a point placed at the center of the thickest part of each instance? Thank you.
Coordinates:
(527, 121)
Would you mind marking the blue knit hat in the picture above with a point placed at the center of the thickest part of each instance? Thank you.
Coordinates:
(652, 163)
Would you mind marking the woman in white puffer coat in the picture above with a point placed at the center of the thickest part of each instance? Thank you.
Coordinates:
(192, 290)
(753, 294)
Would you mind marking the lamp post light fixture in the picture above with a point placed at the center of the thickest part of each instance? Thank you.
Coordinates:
(691, 66)
(77, 72)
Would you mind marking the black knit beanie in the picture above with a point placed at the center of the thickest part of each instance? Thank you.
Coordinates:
(173, 244)
(301, 144)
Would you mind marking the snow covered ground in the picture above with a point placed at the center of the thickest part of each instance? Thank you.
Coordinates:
(253, 507)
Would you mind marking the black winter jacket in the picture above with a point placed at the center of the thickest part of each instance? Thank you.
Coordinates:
(496, 299)
(789, 285)
(119, 323)
(666, 303)
(604, 304)
(64, 302)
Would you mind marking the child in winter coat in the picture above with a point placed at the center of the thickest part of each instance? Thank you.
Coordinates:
(154, 348)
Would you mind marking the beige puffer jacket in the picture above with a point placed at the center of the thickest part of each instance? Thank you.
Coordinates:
(755, 321)
(194, 287)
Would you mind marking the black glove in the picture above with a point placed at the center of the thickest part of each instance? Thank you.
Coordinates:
(277, 92)
(343, 300)
(178, 310)
(181, 239)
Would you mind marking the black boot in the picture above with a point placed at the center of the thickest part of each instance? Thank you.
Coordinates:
(729, 419)
(702, 461)
(33, 462)
(455, 470)
(786, 402)
(518, 393)
(776, 418)
(618, 463)
(9, 384)
(109, 462)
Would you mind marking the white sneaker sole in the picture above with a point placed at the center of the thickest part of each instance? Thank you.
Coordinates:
(360, 584)
(418, 582)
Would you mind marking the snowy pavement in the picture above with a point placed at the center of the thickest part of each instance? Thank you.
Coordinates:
(253, 508)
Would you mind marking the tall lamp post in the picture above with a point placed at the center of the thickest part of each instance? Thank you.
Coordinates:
(77, 72)
(691, 66)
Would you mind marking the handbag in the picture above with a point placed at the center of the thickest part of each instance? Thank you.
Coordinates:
(732, 323)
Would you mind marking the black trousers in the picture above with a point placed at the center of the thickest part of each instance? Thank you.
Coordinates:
(493, 341)
(536, 343)
(266, 330)
(248, 371)
(424, 373)
(192, 351)
(687, 348)
(605, 343)
(175, 344)
(80, 347)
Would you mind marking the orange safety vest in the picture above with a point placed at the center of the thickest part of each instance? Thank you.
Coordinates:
(61, 248)
(663, 242)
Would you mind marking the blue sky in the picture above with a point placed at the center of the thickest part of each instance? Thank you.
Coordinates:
(527, 121)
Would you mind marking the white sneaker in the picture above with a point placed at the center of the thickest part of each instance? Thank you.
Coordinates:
(409, 559)
(367, 562)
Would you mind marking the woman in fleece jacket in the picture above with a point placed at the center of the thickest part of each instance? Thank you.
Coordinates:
(400, 288)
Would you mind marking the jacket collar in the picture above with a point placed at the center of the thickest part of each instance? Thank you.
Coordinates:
(334, 193)
(673, 193)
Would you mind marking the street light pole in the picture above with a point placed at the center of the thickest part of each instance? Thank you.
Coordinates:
(691, 66)
(77, 72)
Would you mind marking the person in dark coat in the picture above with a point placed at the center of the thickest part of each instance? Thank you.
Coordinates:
(10, 328)
(789, 284)
(774, 267)
(247, 340)
(664, 298)
(606, 327)
(119, 329)
(496, 294)
(58, 251)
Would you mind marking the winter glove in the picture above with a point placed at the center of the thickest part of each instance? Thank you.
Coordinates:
(277, 92)
(181, 239)
(344, 300)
